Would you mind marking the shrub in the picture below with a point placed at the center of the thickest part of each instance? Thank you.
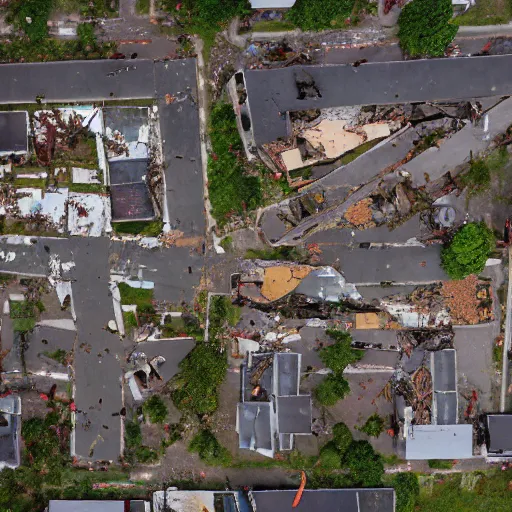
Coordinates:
(330, 456)
(468, 251)
(407, 489)
(440, 464)
(155, 409)
(340, 354)
(374, 426)
(132, 435)
(146, 455)
(342, 438)
(425, 27)
(366, 467)
(85, 32)
(197, 385)
(205, 444)
(211, 11)
(478, 178)
(320, 14)
(332, 389)
(31, 16)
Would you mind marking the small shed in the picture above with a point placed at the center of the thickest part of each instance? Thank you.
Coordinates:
(13, 133)
(499, 435)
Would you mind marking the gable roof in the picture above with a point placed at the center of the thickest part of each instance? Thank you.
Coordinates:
(329, 500)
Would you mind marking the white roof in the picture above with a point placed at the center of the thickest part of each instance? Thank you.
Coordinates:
(425, 442)
(271, 4)
(86, 506)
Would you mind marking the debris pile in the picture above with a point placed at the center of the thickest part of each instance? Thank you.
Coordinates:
(360, 214)
(468, 300)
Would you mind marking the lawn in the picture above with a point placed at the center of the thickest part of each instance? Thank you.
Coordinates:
(273, 26)
(487, 12)
(138, 296)
(145, 228)
(451, 493)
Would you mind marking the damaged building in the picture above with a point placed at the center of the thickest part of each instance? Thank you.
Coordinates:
(272, 410)
(127, 133)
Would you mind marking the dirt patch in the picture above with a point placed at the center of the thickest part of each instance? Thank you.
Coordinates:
(461, 298)
(360, 213)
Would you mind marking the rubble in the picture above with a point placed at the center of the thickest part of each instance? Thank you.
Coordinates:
(360, 214)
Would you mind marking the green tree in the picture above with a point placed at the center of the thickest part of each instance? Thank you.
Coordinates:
(407, 490)
(205, 444)
(342, 438)
(425, 27)
(155, 409)
(374, 426)
(330, 456)
(340, 354)
(202, 373)
(366, 467)
(468, 251)
(31, 16)
(332, 389)
(85, 32)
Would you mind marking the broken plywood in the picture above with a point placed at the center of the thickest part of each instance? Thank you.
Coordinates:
(332, 138)
(281, 280)
(376, 131)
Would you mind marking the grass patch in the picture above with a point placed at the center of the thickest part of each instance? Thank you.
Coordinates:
(142, 6)
(277, 253)
(272, 26)
(23, 324)
(144, 228)
(227, 243)
(88, 188)
(23, 315)
(486, 12)
(363, 148)
(155, 409)
(59, 355)
(138, 296)
(234, 187)
(440, 464)
(130, 321)
(30, 182)
(491, 492)
(21, 49)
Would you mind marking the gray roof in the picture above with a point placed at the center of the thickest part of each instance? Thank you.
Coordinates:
(13, 132)
(332, 500)
(445, 408)
(77, 81)
(86, 506)
(500, 433)
(439, 442)
(255, 425)
(294, 414)
(131, 201)
(286, 373)
(10, 411)
(127, 170)
(273, 92)
(444, 373)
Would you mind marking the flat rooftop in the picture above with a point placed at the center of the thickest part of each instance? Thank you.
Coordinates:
(13, 132)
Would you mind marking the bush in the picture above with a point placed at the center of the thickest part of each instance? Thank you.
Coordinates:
(478, 178)
(340, 354)
(366, 467)
(468, 251)
(85, 32)
(407, 489)
(425, 27)
(205, 444)
(231, 189)
(332, 389)
(374, 426)
(132, 435)
(155, 409)
(320, 14)
(211, 11)
(440, 464)
(31, 16)
(342, 438)
(197, 385)
(146, 455)
(330, 456)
